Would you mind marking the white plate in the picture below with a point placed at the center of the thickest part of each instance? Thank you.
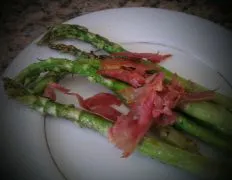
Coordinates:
(200, 49)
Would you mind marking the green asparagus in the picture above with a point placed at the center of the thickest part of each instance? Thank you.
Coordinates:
(175, 137)
(71, 50)
(38, 86)
(168, 134)
(59, 65)
(63, 31)
(207, 136)
(210, 114)
(150, 146)
(218, 117)
(79, 32)
(85, 69)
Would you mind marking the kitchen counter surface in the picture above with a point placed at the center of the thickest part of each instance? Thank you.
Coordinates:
(22, 21)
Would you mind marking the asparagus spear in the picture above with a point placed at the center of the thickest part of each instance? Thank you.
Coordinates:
(38, 86)
(71, 50)
(81, 68)
(175, 137)
(191, 86)
(210, 114)
(79, 32)
(207, 136)
(219, 117)
(150, 146)
(168, 134)
(63, 31)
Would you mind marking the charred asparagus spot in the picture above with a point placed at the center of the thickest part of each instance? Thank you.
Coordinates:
(29, 80)
(71, 50)
(65, 31)
(14, 89)
(89, 70)
(149, 146)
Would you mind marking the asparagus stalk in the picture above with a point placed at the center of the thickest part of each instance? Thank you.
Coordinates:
(168, 134)
(150, 146)
(191, 86)
(71, 50)
(219, 117)
(63, 31)
(81, 68)
(210, 114)
(207, 136)
(38, 86)
(176, 138)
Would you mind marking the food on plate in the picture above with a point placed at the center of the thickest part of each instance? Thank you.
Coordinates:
(71, 31)
(150, 146)
(159, 101)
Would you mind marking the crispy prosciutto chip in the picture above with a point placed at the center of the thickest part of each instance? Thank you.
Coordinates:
(157, 82)
(197, 96)
(109, 63)
(153, 57)
(117, 63)
(129, 129)
(152, 105)
(105, 99)
(129, 94)
(80, 99)
(99, 104)
(171, 99)
(50, 93)
(132, 78)
(175, 86)
(176, 90)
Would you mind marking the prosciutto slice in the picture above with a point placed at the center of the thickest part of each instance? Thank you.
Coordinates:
(132, 78)
(99, 104)
(151, 104)
(117, 63)
(153, 57)
(129, 129)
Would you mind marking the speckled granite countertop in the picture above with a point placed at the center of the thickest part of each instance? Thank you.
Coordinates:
(22, 21)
